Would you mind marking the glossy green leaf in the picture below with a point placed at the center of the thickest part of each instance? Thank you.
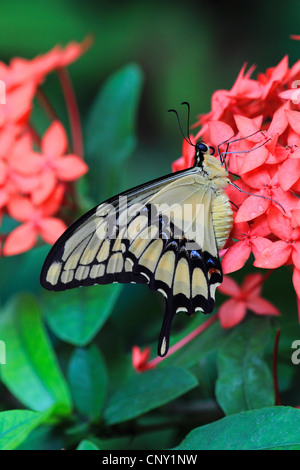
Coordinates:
(31, 371)
(147, 391)
(110, 132)
(87, 445)
(88, 381)
(14, 272)
(16, 425)
(77, 315)
(244, 379)
(265, 429)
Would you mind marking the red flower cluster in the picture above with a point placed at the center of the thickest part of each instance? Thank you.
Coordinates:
(263, 115)
(34, 171)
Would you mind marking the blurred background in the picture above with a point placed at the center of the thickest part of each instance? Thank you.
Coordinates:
(186, 50)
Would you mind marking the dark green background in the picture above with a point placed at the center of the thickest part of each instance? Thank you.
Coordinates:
(186, 50)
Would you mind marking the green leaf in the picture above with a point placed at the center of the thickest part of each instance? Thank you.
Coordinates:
(244, 379)
(204, 344)
(110, 132)
(89, 381)
(87, 445)
(14, 272)
(31, 371)
(147, 391)
(16, 425)
(76, 316)
(268, 428)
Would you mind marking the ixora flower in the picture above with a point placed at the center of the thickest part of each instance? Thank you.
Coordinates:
(36, 172)
(51, 166)
(37, 220)
(265, 155)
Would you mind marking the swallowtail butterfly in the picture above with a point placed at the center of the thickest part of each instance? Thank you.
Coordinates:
(165, 233)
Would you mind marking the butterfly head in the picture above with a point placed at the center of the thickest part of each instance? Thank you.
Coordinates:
(201, 151)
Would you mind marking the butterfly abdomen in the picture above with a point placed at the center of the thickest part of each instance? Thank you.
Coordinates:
(222, 218)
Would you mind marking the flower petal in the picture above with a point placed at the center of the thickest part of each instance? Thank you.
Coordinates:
(219, 132)
(70, 167)
(280, 224)
(296, 254)
(252, 284)
(231, 313)
(51, 228)
(259, 244)
(289, 173)
(236, 256)
(294, 120)
(54, 141)
(21, 239)
(246, 126)
(296, 282)
(140, 359)
(261, 306)
(229, 287)
(254, 159)
(47, 183)
(251, 208)
(275, 255)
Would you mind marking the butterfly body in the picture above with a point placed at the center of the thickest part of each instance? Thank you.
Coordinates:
(165, 233)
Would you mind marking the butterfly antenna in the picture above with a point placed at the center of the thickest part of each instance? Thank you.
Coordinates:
(185, 138)
(188, 117)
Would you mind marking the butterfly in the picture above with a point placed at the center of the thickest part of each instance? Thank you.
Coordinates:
(166, 233)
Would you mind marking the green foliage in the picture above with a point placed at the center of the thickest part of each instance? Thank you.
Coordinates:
(87, 445)
(110, 131)
(77, 316)
(31, 371)
(273, 428)
(16, 425)
(88, 381)
(146, 392)
(244, 380)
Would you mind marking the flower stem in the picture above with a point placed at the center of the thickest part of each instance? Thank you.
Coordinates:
(34, 134)
(46, 105)
(275, 377)
(184, 340)
(73, 111)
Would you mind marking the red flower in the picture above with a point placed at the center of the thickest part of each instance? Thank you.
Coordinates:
(140, 359)
(188, 154)
(245, 297)
(250, 238)
(37, 220)
(35, 173)
(52, 166)
(34, 71)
